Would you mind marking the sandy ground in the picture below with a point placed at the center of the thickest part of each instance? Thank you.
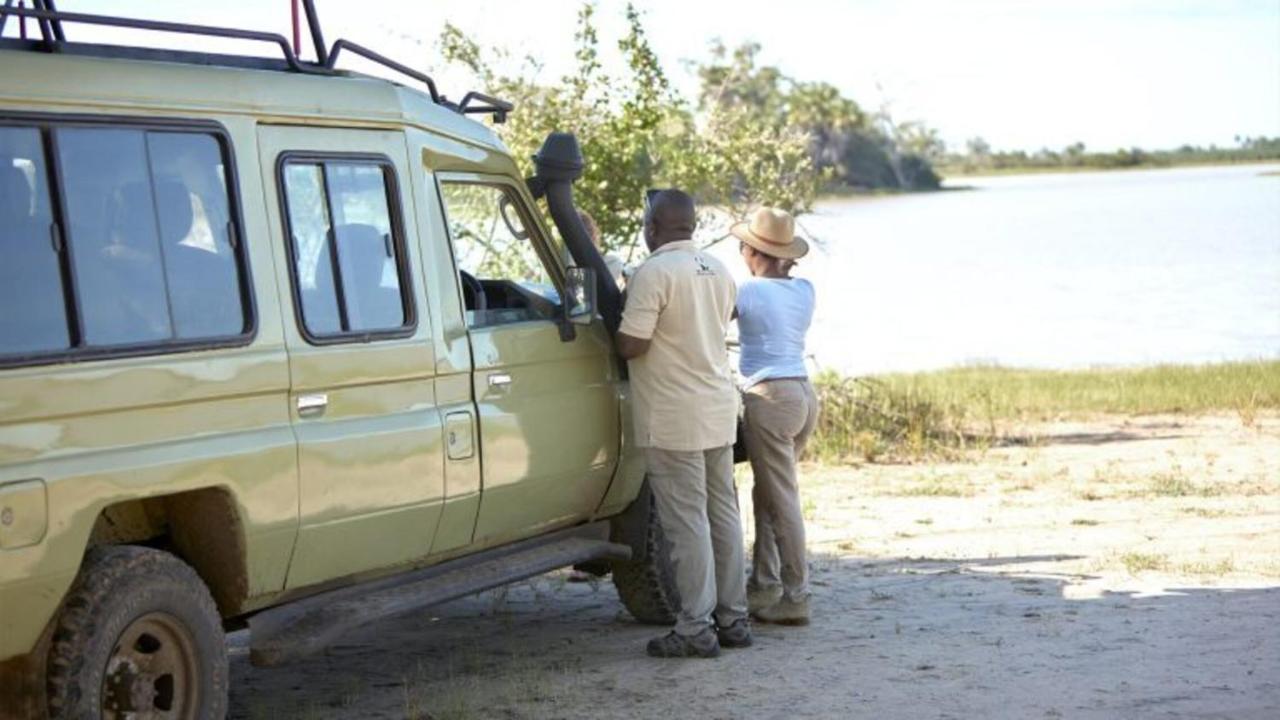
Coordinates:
(1118, 568)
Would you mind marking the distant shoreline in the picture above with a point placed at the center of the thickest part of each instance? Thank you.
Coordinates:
(856, 193)
(861, 193)
(953, 174)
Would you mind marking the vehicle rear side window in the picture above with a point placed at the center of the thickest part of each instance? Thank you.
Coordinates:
(349, 264)
(146, 230)
(33, 313)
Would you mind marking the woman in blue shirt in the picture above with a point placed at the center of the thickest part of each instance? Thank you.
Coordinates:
(774, 312)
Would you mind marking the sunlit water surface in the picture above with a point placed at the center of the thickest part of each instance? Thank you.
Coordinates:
(1057, 270)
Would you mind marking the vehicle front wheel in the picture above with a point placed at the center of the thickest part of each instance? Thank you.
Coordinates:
(647, 586)
(139, 637)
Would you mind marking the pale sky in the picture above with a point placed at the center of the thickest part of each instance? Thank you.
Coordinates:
(1020, 73)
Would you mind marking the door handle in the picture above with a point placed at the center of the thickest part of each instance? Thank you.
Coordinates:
(499, 380)
(312, 404)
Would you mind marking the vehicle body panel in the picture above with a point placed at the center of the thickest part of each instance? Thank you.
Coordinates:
(120, 430)
(413, 453)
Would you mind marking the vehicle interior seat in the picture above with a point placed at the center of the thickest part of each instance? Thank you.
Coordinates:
(364, 254)
(123, 282)
(203, 287)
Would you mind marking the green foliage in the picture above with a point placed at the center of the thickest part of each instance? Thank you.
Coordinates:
(637, 133)
(753, 136)
(485, 244)
(847, 146)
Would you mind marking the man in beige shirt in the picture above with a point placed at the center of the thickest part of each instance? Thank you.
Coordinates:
(677, 313)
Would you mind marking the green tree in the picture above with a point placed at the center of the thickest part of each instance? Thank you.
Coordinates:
(637, 133)
(847, 146)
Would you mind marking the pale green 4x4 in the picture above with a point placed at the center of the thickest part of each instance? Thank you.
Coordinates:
(282, 347)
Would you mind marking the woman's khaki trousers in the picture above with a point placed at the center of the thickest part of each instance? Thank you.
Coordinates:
(780, 417)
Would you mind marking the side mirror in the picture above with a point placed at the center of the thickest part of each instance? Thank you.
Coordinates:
(579, 305)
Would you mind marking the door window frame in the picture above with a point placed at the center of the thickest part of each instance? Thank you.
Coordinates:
(404, 263)
(47, 124)
(537, 236)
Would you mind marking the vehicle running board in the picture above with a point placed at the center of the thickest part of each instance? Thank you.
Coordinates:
(294, 630)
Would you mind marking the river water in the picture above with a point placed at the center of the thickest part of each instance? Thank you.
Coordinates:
(1053, 270)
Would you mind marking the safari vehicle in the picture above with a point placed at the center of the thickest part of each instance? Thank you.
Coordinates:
(282, 347)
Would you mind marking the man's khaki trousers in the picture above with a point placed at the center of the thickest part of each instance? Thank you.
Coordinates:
(698, 507)
(780, 417)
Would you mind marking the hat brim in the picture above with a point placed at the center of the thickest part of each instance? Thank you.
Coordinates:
(795, 250)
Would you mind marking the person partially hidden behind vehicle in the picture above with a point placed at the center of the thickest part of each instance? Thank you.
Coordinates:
(774, 312)
(673, 333)
(618, 269)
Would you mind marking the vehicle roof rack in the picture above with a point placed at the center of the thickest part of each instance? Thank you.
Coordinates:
(53, 39)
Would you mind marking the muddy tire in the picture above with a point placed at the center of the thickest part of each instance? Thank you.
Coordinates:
(139, 636)
(647, 586)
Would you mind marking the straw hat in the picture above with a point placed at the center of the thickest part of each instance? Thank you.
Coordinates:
(772, 232)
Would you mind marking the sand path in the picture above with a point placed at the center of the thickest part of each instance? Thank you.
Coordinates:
(1117, 568)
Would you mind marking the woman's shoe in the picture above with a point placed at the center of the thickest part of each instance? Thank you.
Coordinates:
(785, 612)
(761, 598)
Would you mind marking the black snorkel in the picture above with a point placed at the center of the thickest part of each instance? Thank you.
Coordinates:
(558, 164)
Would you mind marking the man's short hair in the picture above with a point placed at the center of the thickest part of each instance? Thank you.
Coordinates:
(673, 210)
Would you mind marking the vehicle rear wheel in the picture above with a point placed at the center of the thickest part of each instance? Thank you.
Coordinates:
(139, 638)
(647, 586)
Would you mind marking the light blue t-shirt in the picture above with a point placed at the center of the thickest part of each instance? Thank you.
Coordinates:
(773, 318)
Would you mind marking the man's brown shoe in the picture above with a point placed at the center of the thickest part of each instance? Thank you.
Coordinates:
(736, 635)
(785, 612)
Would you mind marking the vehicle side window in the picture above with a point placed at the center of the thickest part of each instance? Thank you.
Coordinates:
(350, 268)
(504, 279)
(147, 218)
(33, 313)
(195, 234)
(146, 231)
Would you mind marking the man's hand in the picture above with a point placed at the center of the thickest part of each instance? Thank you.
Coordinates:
(631, 348)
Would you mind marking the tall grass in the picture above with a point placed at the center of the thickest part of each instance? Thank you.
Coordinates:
(943, 413)
(1041, 394)
(864, 418)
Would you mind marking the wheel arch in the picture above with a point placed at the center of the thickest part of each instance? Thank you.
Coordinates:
(203, 527)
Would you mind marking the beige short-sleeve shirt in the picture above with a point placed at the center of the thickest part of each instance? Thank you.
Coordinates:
(681, 300)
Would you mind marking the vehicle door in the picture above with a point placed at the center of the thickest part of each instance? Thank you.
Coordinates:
(360, 352)
(547, 397)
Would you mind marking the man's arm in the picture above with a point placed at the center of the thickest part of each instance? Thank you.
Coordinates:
(631, 348)
(645, 300)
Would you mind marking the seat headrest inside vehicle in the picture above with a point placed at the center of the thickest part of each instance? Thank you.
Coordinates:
(174, 204)
(363, 252)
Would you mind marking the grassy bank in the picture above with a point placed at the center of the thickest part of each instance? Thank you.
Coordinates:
(912, 415)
